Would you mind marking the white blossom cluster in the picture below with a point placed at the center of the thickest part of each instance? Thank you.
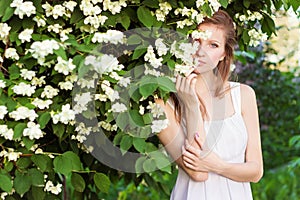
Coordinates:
(163, 11)
(59, 10)
(256, 37)
(40, 49)
(64, 66)
(251, 16)
(155, 109)
(6, 132)
(24, 89)
(185, 51)
(11, 155)
(111, 36)
(151, 57)
(4, 32)
(50, 187)
(3, 111)
(107, 126)
(11, 53)
(198, 34)
(23, 8)
(82, 101)
(103, 64)
(23, 112)
(33, 131)
(118, 108)
(158, 125)
(82, 132)
(25, 35)
(66, 116)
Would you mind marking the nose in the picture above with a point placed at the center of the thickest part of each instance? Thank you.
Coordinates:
(200, 51)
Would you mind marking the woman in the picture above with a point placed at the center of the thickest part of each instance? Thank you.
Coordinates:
(213, 133)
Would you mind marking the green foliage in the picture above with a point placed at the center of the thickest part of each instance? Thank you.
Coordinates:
(43, 151)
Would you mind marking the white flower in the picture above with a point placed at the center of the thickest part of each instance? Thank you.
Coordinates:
(11, 53)
(33, 131)
(118, 107)
(13, 156)
(159, 125)
(56, 28)
(68, 85)
(23, 113)
(27, 74)
(156, 109)
(142, 109)
(40, 21)
(23, 8)
(42, 104)
(2, 84)
(24, 89)
(67, 114)
(124, 81)
(103, 64)
(38, 81)
(58, 11)
(215, 5)
(101, 97)
(8, 134)
(200, 3)
(40, 50)
(83, 98)
(183, 69)
(70, 5)
(25, 36)
(4, 30)
(49, 92)
(64, 66)
(39, 151)
(256, 37)
(162, 49)
(150, 56)
(49, 187)
(204, 35)
(3, 111)
(112, 36)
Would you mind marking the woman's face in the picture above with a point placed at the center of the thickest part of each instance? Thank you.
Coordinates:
(211, 51)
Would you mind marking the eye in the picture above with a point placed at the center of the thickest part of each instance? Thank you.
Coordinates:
(214, 45)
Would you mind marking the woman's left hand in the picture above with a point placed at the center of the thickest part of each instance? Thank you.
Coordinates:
(201, 160)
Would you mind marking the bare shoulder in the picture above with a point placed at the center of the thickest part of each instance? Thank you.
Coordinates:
(248, 99)
(247, 92)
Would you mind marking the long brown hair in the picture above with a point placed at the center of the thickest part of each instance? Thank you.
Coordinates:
(223, 20)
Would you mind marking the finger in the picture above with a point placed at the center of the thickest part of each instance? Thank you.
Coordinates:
(199, 140)
(178, 82)
(190, 155)
(192, 150)
(188, 160)
(190, 166)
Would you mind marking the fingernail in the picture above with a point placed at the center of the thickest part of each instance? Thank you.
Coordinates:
(197, 134)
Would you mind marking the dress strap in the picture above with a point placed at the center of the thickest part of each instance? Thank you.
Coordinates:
(236, 96)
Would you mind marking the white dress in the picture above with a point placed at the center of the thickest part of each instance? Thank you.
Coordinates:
(228, 139)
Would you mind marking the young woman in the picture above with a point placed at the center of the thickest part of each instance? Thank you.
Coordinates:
(213, 133)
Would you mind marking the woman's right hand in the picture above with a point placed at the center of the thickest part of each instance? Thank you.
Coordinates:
(186, 91)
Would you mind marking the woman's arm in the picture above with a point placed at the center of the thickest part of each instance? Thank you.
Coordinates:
(252, 169)
(173, 139)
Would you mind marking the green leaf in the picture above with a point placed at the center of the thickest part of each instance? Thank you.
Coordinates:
(23, 162)
(9, 12)
(166, 84)
(18, 130)
(151, 3)
(28, 142)
(44, 119)
(14, 72)
(147, 90)
(139, 144)
(162, 162)
(139, 164)
(102, 182)
(268, 25)
(134, 39)
(246, 3)
(145, 16)
(149, 165)
(122, 120)
(136, 118)
(37, 177)
(147, 118)
(124, 20)
(59, 130)
(38, 193)
(126, 143)
(224, 3)
(6, 184)
(76, 16)
(61, 52)
(22, 183)
(139, 51)
(43, 162)
(77, 182)
(3, 6)
(66, 163)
